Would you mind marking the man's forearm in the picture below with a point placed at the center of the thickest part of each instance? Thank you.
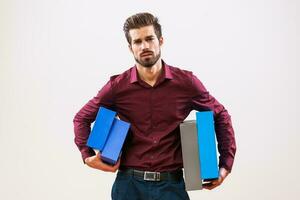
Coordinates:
(226, 140)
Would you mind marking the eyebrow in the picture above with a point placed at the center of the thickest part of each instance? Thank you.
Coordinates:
(150, 36)
(147, 37)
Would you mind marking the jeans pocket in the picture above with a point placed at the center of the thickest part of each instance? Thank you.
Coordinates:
(120, 188)
(178, 188)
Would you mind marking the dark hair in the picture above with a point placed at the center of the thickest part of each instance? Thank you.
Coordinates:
(140, 20)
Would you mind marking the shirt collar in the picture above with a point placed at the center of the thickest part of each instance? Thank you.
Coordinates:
(166, 73)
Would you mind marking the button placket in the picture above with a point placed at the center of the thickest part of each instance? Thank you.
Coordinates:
(151, 108)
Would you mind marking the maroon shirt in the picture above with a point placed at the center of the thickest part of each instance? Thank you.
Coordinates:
(155, 113)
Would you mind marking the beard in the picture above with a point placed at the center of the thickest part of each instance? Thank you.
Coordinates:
(148, 62)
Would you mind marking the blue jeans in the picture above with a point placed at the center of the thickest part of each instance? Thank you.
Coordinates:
(127, 187)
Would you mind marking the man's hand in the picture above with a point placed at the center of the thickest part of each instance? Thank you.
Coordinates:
(211, 185)
(96, 163)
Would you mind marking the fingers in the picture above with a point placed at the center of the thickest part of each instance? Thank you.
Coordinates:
(96, 163)
(210, 186)
(110, 168)
(213, 184)
(116, 166)
(105, 167)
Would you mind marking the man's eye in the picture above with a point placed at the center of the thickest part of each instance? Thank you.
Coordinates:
(137, 42)
(150, 39)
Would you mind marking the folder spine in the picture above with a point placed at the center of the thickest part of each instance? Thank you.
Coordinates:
(101, 128)
(115, 140)
(207, 145)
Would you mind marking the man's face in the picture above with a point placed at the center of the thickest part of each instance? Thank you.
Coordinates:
(145, 46)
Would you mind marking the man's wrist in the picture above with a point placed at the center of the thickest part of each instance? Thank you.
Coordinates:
(223, 173)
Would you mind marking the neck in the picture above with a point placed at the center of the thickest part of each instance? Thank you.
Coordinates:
(150, 74)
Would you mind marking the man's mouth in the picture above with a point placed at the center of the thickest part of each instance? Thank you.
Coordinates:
(146, 54)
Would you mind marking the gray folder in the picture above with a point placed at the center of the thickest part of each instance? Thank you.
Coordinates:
(190, 155)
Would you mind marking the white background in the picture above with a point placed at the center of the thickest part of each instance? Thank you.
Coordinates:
(56, 54)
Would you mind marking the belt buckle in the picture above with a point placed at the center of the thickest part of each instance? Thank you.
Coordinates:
(151, 176)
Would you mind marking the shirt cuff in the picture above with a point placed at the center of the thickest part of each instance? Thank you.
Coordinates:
(227, 164)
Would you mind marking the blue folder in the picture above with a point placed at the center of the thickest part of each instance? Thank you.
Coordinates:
(108, 135)
(101, 128)
(115, 141)
(207, 145)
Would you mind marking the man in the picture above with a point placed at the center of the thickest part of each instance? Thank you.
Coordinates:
(155, 98)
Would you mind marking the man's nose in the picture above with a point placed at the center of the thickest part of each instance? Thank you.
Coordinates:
(145, 45)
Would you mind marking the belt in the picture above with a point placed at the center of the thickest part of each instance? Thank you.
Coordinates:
(153, 176)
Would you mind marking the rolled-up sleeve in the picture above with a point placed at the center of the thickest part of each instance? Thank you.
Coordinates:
(86, 116)
(201, 101)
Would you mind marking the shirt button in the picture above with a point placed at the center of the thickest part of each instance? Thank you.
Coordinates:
(151, 157)
(154, 141)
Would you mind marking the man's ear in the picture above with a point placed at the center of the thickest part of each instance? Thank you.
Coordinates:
(161, 41)
(130, 48)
